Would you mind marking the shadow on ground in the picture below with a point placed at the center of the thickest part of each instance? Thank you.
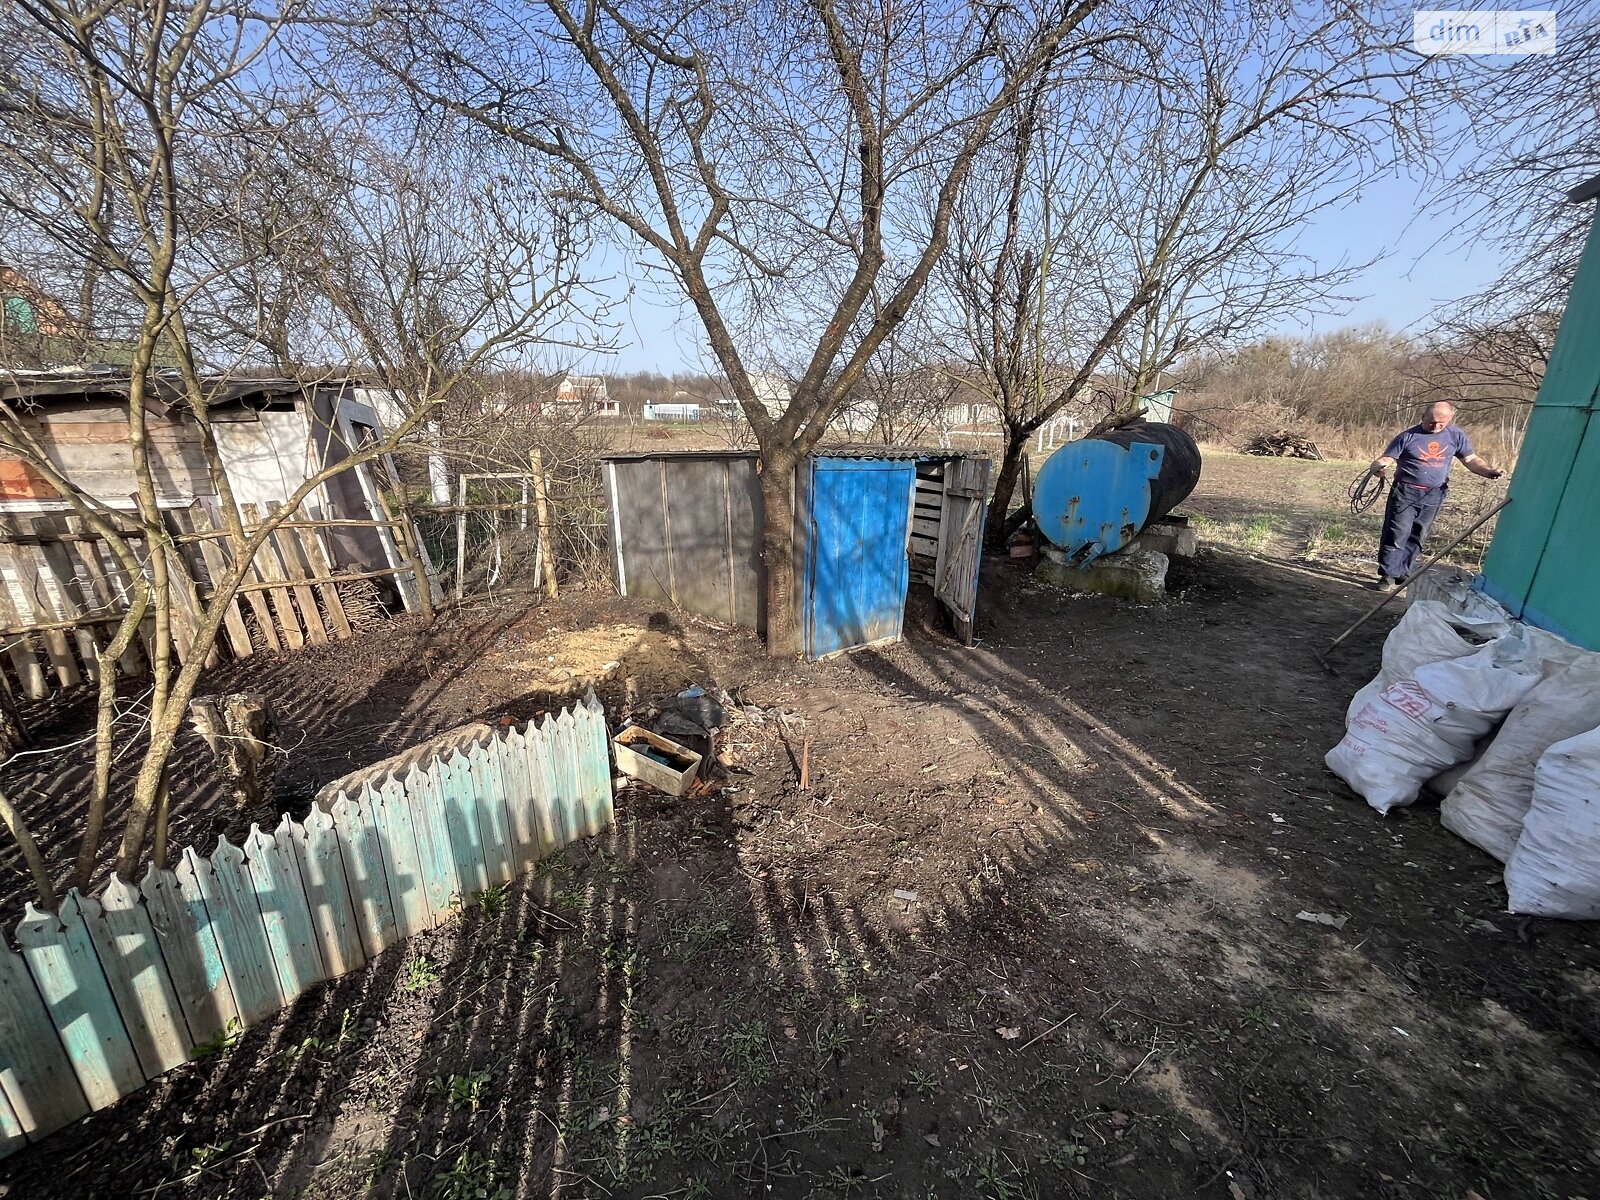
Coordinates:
(1031, 931)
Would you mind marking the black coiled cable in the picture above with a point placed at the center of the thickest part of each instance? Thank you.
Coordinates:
(1364, 490)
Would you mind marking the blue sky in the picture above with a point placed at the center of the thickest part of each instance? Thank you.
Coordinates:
(1423, 261)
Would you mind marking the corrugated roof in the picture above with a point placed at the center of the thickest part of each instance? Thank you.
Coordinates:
(657, 455)
(44, 386)
(862, 450)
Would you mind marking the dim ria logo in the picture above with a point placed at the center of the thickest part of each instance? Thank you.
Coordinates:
(1485, 31)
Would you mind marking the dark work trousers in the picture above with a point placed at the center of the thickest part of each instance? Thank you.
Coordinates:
(1406, 522)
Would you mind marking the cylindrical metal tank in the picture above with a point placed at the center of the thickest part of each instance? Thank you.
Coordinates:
(1093, 496)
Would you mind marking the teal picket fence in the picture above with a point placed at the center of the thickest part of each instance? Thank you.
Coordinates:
(112, 990)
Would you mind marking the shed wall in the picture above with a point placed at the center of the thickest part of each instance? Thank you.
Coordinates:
(688, 533)
(1541, 563)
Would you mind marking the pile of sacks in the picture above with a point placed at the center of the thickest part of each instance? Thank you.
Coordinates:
(1503, 721)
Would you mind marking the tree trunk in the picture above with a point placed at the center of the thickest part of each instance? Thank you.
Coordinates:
(1005, 484)
(777, 552)
(239, 728)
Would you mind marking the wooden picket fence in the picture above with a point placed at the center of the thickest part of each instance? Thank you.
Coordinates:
(111, 991)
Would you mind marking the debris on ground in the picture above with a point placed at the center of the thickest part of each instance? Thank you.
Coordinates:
(1281, 443)
(1322, 918)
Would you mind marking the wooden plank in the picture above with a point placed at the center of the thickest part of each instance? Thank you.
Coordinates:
(458, 790)
(333, 918)
(599, 761)
(361, 851)
(126, 942)
(266, 627)
(62, 961)
(285, 911)
(315, 556)
(435, 856)
(230, 897)
(30, 675)
(12, 1138)
(271, 571)
(183, 929)
(539, 740)
(72, 601)
(40, 608)
(187, 611)
(511, 765)
(288, 551)
(494, 819)
(106, 598)
(563, 760)
(35, 1074)
(391, 812)
(217, 566)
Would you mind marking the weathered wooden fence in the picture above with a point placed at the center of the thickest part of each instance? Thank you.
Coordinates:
(62, 591)
(113, 990)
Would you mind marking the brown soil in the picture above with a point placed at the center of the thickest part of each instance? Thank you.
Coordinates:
(1030, 932)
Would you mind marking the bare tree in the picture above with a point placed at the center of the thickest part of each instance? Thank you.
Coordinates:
(140, 149)
(1094, 256)
(776, 165)
(1529, 133)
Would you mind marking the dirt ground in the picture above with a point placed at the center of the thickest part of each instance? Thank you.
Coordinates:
(1031, 931)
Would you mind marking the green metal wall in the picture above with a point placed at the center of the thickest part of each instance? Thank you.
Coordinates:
(1542, 563)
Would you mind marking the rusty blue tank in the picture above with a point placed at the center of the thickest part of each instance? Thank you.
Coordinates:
(1093, 496)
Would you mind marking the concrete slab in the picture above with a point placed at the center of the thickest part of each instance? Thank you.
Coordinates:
(1133, 574)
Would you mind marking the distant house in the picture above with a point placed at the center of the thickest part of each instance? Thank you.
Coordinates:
(586, 395)
(673, 410)
(773, 391)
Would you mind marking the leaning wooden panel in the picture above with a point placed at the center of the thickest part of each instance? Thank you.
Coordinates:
(266, 564)
(435, 851)
(30, 675)
(285, 912)
(35, 1073)
(316, 558)
(72, 597)
(188, 944)
(230, 897)
(11, 1136)
(333, 918)
(38, 608)
(494, 816)
(391, 812)
(140, 981)
(288, 550)
(216, 567)
(106, 597)
(458, 789)
(361, 851)
(62, 961)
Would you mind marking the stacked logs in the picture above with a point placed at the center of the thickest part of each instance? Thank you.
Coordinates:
(1282, 444)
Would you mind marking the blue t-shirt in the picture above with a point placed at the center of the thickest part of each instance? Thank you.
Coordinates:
(1423, 459)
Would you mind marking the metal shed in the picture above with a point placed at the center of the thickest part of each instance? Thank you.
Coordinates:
(1542, 563)
(869, 521)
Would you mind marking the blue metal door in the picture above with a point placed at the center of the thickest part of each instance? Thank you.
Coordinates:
(858, 520)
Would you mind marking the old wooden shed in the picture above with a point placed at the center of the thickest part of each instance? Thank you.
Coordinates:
(869, 522)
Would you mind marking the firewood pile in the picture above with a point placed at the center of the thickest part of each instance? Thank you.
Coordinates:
(1282, 444)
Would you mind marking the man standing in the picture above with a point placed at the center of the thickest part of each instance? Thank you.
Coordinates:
(1421, 457)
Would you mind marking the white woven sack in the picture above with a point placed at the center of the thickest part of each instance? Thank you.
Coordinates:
(1555, 869)
(1417, 727)
(1488, 804)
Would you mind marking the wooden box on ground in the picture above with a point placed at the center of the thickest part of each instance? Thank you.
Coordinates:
(673, 776)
